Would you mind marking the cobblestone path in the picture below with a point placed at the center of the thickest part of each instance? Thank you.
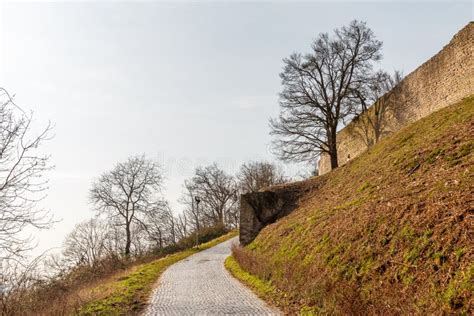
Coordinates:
(200, 285)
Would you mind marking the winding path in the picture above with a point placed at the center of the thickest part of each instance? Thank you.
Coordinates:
(200, 285)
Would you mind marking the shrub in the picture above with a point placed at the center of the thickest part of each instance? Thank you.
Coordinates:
(203, 235)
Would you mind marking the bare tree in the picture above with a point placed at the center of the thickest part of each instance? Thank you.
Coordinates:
(128, 192)
(86, 243)
(181, 226)
(171, 224)
(316, 92)
(161, 226)
(218, 195)
(256, 175)
(114, 243)
(140, 243)
(371, 122)
(22, 182)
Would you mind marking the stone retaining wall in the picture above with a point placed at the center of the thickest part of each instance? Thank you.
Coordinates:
(446, 78)
(259, 209)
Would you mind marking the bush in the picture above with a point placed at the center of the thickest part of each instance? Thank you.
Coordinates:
(204, 235)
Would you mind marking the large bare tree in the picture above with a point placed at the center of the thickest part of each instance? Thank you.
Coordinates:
(129, 192)
(317, 89)
(255, 175)
(22, 181)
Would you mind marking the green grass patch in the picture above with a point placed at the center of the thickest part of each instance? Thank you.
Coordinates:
(460, 287)
(128, 294)
(434, 154)
(264, 289)
(463, 151)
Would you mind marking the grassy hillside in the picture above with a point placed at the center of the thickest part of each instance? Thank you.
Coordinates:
(391, 232)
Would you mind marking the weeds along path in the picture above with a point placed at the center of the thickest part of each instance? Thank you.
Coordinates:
(200, 285)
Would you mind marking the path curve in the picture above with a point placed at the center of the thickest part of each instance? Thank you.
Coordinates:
(200, 285)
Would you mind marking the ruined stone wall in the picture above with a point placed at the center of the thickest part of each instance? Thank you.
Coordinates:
(446, 78)
(259, 209)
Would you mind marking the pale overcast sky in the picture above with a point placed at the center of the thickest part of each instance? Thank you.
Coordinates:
(186, 83)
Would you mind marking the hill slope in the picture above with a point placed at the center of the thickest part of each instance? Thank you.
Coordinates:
(391, 232)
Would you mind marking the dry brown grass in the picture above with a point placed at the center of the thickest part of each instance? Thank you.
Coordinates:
(64, 295)
(68, 294)
(391, 232)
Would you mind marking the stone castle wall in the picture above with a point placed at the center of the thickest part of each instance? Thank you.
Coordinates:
(446, 78)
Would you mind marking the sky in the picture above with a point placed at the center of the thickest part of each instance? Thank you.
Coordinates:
(186, 83)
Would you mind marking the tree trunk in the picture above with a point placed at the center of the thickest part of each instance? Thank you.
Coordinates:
(334, 163)
(220, 217)
(128, 241)
(379, 120)
(333, 148)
